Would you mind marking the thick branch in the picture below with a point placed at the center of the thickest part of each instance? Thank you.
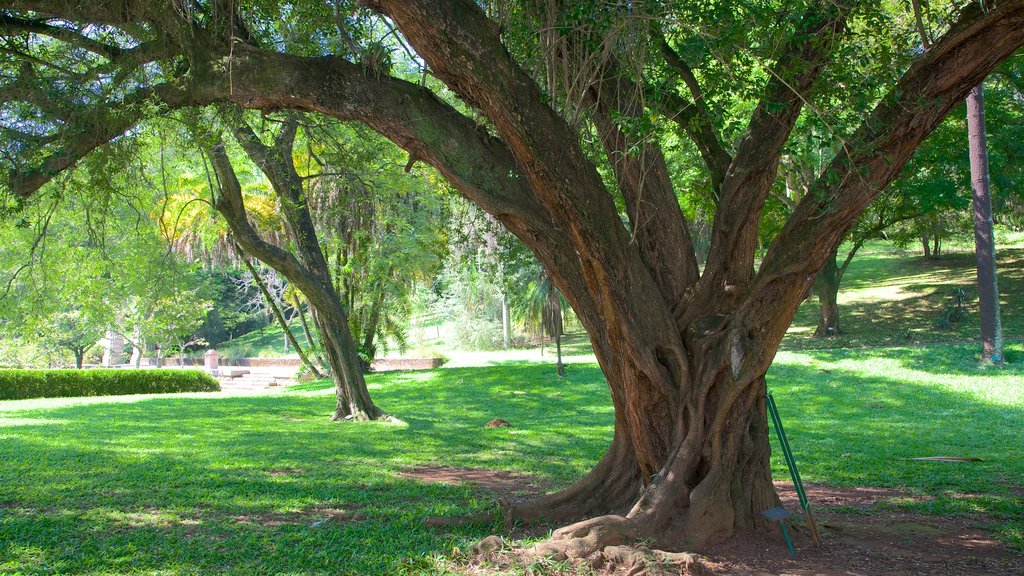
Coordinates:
(64, 34)
(755, 165)
(93, 128)
(876, 153)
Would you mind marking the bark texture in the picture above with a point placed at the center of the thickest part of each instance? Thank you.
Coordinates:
(984, 236)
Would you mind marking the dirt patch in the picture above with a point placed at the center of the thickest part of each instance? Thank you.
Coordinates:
(859, 538)
(503, 484)
(315, 516)
(284, 472)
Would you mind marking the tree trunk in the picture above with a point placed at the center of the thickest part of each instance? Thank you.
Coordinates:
(826, 287)
(984, 238)
(506, 324)
(684, 349)
(79, 356)
(926, 244)
(279, 317)
(709, 479)
(309, 272)
(559, 367)
(372, 324)
(310, 341)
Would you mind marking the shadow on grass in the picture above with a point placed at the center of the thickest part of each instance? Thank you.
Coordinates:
(255, 484)
(244, 485)
(962, 359)
(852, 427)
(892, 299)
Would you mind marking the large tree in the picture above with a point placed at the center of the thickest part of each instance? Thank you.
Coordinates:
(684, 349)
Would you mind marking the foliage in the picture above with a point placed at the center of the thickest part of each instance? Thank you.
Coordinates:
(19, 384)
(229, 316)
(382, 226)
(937, 181)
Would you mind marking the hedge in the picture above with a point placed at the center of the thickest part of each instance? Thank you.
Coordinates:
(20, 384)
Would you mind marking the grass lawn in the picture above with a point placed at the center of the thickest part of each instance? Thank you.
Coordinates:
(890, 297)
(187, 485)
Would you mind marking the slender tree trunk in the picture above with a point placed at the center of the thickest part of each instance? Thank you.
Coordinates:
(372, 326)
(308, 271)
(506, 324)
(310, 341)
(826, 287)
(279, 317)
(559, 367)
(984, 238)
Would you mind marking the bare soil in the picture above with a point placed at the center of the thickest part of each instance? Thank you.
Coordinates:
(859, 538)
(501, 484)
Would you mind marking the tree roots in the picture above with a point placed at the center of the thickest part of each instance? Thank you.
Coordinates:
(620, 559)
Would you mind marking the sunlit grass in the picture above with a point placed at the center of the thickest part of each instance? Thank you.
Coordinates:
(889, 297)
(242, 485)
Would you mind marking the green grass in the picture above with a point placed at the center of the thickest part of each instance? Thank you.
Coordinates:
(200, 484)
(265, 342)
(859, 417)
(203, 485)
(889, 297)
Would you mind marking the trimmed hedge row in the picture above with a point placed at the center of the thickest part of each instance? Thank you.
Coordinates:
(20, 384)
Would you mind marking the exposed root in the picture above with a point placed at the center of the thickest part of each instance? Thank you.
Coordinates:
(586, 538)
(630, 560)
(640, 561)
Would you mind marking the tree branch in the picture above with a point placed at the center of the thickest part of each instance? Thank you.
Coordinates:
(694, 118)
(754, 167)
(68, 35)
(876, 153)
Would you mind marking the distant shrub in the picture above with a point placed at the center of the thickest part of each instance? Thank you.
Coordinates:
(20, 384)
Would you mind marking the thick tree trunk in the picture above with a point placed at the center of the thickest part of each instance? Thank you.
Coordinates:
(984, 238)
(684, 349)
(926, 244)
(713, 476)
(826, 287)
